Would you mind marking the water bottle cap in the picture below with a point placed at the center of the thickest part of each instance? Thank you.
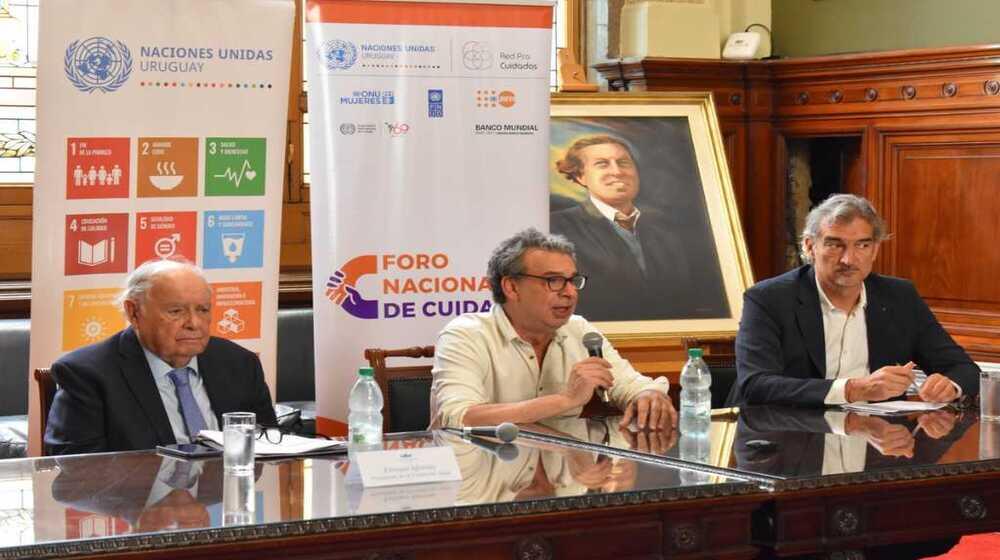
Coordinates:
(694, 352)
(366, 372)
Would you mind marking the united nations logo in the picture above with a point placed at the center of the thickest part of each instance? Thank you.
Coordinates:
(348, 128)
(476, 55)
(97, 63)
(338, 54)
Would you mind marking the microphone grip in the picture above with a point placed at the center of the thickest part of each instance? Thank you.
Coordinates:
(596, 352)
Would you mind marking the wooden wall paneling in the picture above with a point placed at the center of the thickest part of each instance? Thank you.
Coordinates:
(764, 212)
(734, 142)
(942, 200)
(15, 246)
(15, 223)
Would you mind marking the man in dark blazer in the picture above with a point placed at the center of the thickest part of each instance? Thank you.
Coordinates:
(640, 264)
(790, 442)
(880, 327)
(127, 488)
(159, 381)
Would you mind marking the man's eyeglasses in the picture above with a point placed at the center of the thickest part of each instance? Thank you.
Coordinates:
(272, 434)
(558, 283)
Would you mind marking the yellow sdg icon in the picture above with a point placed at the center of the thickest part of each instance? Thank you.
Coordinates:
(94, 329)
(90, 316)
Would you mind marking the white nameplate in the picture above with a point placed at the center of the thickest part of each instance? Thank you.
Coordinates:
(407, 466)
(405, 497)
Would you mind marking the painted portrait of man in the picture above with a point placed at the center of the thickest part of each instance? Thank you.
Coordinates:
(626, 191)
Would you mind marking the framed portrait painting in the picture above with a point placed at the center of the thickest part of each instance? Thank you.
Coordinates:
(639, 184)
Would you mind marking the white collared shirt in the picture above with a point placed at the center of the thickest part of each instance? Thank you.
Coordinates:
(609, 211)
(480, 359)
(846, 340)
(629, 237)
(168, 394)
(842, 453)
(846, 337)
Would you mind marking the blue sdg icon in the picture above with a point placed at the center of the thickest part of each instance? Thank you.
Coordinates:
(338, 54)
(97, 63)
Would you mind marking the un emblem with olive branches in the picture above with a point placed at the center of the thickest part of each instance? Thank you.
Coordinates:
(97, 63)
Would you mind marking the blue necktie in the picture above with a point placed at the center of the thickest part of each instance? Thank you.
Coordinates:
(181, 478)
(193, 420)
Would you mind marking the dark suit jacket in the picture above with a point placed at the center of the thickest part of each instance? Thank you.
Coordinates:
(682, 279)
(798, 437)
(107, 399)
(781, 350)
(124, 484)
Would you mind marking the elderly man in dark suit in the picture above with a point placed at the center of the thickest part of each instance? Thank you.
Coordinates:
(833, 332)
(642, 264)
(159, 381)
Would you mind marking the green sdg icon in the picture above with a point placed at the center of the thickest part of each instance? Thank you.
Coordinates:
(235, 166)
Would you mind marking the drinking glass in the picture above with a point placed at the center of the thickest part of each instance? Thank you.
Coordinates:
(237, 441)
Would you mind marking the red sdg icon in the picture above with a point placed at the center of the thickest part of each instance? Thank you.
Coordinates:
(97, 167)
(165, 235)
(96, 243)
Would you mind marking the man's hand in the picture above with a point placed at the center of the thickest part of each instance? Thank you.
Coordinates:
(938, 389)
(652, 410)
(937, 423)
(178, 509)
(587, 375)
(587, 470)
(893, 440)
(657, 442)
(887, 382)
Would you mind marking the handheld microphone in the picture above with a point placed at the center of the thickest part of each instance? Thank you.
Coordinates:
(594, 342)
(505, 432)
(506, 452)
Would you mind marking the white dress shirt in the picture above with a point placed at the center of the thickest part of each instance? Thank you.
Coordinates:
(846, 338)
(842, 453)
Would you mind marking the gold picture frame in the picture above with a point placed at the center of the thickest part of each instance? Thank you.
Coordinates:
(685, 196)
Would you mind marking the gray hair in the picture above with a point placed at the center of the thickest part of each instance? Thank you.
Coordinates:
(841, 209)
(142, 278)
(508, 258)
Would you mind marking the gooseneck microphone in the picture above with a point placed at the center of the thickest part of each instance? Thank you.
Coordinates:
(506, 452)
(505, 432)
(594, 342)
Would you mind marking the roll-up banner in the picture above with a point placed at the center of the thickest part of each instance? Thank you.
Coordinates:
(161, 130)
(428, 145)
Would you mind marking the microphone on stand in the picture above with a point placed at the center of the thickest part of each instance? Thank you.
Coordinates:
(506, 452)
(505, 432)
(594, 342)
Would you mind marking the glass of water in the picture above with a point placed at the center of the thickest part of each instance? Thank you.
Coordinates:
(237, 441)
(989, 395)
(238, 498)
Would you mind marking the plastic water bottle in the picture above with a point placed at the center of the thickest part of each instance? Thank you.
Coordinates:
(696, 416)
(696, 446)
(364, 418)
(696, 398)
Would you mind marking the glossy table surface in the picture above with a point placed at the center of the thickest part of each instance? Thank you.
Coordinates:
(142, 501)
(787, 447)
(89, 503)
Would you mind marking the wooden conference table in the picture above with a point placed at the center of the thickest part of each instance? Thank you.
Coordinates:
(767, 482)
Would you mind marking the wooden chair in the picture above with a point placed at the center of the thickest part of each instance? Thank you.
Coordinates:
(720, 356)
(406, 390)
(46, 393)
